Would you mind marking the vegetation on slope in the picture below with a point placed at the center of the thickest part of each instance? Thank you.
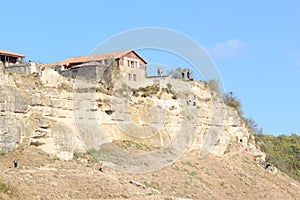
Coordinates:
(8, 189)
(283, 151)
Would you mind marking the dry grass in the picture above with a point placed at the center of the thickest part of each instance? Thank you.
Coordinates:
(233, 176)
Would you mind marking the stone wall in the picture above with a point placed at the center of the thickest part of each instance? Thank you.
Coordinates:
(88, 72)
(55, 75)
(26, 68)
(50, 77)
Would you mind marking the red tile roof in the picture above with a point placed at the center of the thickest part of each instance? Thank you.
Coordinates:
(90, 58)
(12, 54)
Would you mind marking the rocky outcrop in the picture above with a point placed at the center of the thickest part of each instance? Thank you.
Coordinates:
(260, 158)
(61, 120)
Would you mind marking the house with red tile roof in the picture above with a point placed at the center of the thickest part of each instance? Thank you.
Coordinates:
(10, 58)
(128, 61)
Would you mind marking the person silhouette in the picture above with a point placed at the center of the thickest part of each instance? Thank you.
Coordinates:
(158, 71)
(16, 163)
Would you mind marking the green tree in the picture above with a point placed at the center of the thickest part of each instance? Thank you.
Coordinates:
(111, 73)
(282, 151)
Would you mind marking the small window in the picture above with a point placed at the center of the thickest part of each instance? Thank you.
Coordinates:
(128, 63)
(129, 77)
(134, 77)
(132, 64)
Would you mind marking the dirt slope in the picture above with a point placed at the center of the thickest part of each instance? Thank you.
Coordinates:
(232, 176)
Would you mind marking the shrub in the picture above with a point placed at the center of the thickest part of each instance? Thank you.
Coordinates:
(233, 102)
(66, 87)
(253, 126)
(8, 189)
(169, 86)
(213, 85)
(148, 91)
(76, 155)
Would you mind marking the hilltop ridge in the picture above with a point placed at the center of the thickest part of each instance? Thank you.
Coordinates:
(200, 146)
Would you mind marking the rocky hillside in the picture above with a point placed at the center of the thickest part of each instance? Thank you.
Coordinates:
(182, 137)
(65, 118)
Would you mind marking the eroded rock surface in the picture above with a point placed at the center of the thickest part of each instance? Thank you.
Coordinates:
(61, 120)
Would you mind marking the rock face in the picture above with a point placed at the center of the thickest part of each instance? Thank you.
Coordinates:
(13, 104)
(61, 120)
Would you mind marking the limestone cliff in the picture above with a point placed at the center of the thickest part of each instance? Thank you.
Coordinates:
(64, 118)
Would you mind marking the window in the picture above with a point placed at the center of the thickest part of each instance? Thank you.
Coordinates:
(129, 77)
(134, 77)
(128, 63)
(132, 64)
(106, 61)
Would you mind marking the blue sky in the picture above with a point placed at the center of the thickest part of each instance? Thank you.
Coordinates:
(255, 45)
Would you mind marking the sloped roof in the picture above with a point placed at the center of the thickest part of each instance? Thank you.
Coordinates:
(12, 54)
(92, 57)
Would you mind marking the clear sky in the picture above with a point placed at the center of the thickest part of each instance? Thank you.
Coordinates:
(254, 44)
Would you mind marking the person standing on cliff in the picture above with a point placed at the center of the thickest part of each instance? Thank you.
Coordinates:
(188, 74)
(158, 71)
(15, 163)
(182, 74)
